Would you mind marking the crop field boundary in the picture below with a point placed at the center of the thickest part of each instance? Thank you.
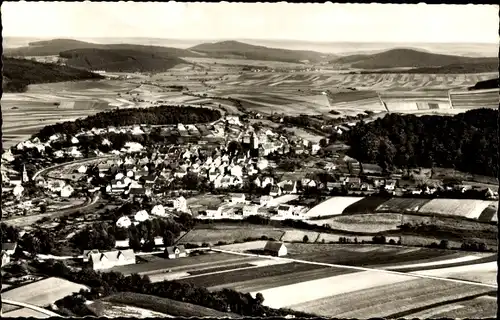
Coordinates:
(32, 307)
(362, 269)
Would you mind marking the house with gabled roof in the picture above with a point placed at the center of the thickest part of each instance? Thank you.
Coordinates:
(175, 252)
(275, 248)
(110, 259)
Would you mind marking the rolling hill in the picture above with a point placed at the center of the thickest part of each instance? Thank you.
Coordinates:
(408, 58)
(240, 50)
(120, 60)
(56, 46)
(19, 73)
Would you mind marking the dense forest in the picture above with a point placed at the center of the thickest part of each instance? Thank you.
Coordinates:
(19, 73)
(486, 84)
(120, 60)
(467, 141)
(161, 115)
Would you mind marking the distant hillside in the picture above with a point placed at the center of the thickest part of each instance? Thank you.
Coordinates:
(19, 73)
(240, 50)
(489, 65)
(408, 58)
(54, 47)
(120, 60)
(486, 84)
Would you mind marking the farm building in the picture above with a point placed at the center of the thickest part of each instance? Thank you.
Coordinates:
(66, 191)
(8, 249)
(87, 253)
(275, 248)
(175, 252)
(110, 259)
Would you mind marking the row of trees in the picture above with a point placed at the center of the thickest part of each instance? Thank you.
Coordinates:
(467, 141)
(161, 115)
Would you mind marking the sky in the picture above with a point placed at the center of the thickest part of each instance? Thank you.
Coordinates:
(277, 21)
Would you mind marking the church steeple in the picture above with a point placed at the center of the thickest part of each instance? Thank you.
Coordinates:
(25, 175)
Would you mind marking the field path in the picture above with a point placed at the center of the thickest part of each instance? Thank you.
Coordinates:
(424, 276)
(32, 307)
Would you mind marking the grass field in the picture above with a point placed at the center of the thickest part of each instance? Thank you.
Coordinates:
(24, 313)
(298, 235)
(165, 306)
(365, 205)
(368, 222)
(229, 235)
(118, 310)
(402, 205)
(483, 307)
(44, 292)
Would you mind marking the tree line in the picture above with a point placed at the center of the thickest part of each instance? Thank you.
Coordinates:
(467, 142)
(161, 115)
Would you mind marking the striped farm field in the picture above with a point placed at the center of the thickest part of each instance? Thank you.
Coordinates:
(332, 206)
(466, 208)
(481, 272)
(24, 313)
(490, 213)
(387, 297)
(483, 307)
(44, 292)
(298, 235)
(402, 205)
(307, 291)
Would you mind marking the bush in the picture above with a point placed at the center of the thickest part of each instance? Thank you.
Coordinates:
(305, 239)
(444, 244)
(379, 239)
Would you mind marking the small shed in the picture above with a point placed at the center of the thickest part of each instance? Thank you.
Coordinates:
(175, 252)
(275, 248)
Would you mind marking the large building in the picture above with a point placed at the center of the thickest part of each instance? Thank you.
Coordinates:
(275, 248)
(110, 259)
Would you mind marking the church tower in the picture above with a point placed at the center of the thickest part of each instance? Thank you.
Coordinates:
(25, 175)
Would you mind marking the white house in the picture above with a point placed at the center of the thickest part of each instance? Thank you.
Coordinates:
(238, 198)
(82, 169)
(159, 210)
(262, 164)
(133, 146)
(66, 191)
(119, 176)
(390, 185)
(250, 210)
(7, 156)
(141, 216)
(123, 222)
(74, 140)
(237, 171)
(18, 190)
(315, 148)
(137, 131)
(257, 182)
(275, 248)
(175, 252)
(266, 200)
(267, 181)
(285, 210)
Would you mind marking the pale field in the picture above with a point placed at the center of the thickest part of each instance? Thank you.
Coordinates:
(388, 298)
(241, 247)
(291, 295)
(25, 313)
(332, 206)
(437, 263)
(116, 310)
(43, 292)
(368, 222)
(306, 135)
(298, 235)
(467, 208)
(482, 272)
(332, 237)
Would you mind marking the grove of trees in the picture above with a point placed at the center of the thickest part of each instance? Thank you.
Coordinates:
(467, 142)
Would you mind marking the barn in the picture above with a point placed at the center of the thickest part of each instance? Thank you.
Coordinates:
(106, 260)
(275, 248)
(175, 252)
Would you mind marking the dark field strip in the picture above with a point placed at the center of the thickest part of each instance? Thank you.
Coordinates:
(365, 205)
(191, 262)
(249, 274)
(260, 284)
(449, 265)
(223, 268)
(434, 305)
(487, 214)
(364, 259)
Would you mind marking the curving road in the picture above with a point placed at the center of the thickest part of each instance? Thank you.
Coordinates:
(30, 306)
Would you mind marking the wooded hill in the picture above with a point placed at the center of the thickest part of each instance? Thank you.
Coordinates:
(19, 73)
